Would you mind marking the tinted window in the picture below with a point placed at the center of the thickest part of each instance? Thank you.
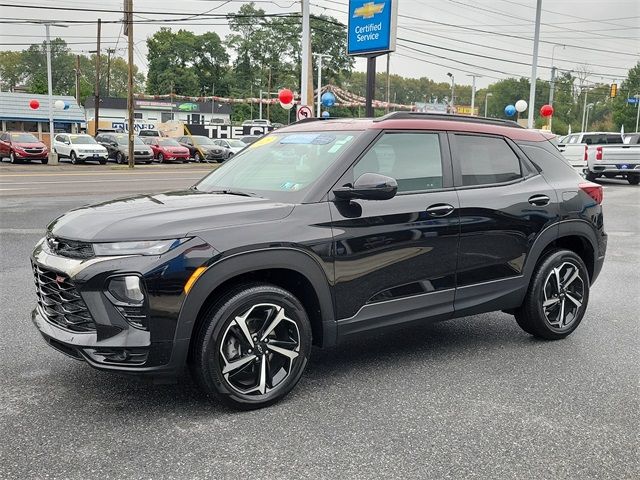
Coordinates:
(413, 159)
(485, 160)
(614, 139)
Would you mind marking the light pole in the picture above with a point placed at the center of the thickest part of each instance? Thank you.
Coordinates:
(473, 93)
(637, 97)
(586, 123)
(584, 109)
(53, 158)
(320, 56)
(453, 91)
(552, 83)
(486, 102)
(534, 66)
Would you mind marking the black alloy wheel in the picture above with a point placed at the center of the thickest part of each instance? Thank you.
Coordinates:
(253, 346)
(160, 158)
(557, 298)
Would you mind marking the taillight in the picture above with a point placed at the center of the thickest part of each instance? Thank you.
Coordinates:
(586, 155)
(593, 190)
(598, 153)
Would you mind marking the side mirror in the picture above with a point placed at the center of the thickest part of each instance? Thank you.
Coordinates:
(369, 186)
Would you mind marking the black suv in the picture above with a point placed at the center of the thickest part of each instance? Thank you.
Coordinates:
(317, 232)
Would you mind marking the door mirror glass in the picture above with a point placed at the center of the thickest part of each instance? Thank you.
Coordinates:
(369, 186)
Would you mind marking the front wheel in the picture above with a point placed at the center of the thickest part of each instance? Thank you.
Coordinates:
(12, 158)
(160, 158)
(119, 158)
(633, 179)
(253, 346)
(44, 161)
(557, 298)
(199, 158)
(74, 158)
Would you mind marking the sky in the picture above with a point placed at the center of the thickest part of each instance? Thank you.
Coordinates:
(489, 38)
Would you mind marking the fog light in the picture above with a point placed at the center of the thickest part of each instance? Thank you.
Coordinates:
(127, 290)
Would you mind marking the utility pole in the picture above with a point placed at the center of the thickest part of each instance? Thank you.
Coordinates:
(637, 97)
(78, 79)
(269, 90)
(552, 87)
(109, 52)
(53, 159)
(486, 102)
(260, 105)
(453, 92)
(534, 66)
(306, 76)
(97, 93)
(473, 93)
(388, 80)
(130, 104)
(319, 56)
(584, 110)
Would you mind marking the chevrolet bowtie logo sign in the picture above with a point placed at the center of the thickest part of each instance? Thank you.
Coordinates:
(368, 10)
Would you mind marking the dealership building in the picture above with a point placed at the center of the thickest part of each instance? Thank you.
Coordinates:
(148, 114)
(16, 114)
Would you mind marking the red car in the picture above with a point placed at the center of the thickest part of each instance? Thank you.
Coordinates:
(165, 149)
(19, 146)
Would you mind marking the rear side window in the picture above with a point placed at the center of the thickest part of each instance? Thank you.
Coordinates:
(614, 139)
(486, 160)
(412, 159)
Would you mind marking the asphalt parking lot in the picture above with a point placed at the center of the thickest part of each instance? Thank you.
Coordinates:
(469, 398)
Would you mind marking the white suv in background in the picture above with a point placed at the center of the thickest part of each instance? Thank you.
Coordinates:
(79, 148)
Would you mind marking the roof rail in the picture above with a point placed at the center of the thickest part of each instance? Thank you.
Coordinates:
(447, 116)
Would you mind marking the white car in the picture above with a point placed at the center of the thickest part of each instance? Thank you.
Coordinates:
(234, 146)
(257, 122)
(79, 148)
(575, 146)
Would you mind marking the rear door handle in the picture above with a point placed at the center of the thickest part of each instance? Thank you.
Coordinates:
(539, 200)
(440, 210)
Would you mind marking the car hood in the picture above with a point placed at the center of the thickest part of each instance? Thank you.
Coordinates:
(163, 216)
(29, 145)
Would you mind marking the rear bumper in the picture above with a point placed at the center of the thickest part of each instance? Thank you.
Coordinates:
(617, 168)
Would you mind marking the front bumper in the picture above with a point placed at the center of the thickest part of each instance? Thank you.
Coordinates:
(115, 344)
(92, 156)
(31, 156)
(216, 156)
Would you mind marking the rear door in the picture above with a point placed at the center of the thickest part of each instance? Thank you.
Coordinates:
(62, 145)
(5, 146)
(395, 259)
(505, 204)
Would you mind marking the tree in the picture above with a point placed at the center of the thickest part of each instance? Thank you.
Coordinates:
(623, 112)
(12, 72)
(34, 61)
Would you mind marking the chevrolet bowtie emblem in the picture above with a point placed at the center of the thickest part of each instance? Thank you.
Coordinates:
(368, 10)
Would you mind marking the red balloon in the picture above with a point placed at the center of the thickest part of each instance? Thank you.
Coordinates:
(34, 104)
(546, 110)
(285, 96)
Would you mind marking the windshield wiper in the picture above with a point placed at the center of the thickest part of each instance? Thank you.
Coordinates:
(234, 192)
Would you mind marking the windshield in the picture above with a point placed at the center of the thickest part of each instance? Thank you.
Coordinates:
(236, 143)
(200, 140)
(279, 163)
(168, 142)
(82, 140)
(24, 138)
(123, 139)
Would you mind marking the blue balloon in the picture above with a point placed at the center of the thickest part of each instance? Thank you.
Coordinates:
(66, 105)
(325, 114)
(509, 110)
(328, 99)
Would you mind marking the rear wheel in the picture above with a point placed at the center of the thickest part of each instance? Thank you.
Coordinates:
(253, 346)
(557, 298)
(590, 176)
(633, 179)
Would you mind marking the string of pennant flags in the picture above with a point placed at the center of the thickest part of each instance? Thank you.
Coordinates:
(343, 99)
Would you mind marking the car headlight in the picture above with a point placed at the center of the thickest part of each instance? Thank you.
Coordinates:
(149, 247)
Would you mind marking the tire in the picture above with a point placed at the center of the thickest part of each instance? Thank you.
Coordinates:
(12, 158)
(160, 158)
(119, 158)
(44, 161)
(610, 175)
(103, 161)
(633, 179)
(74, 158)
(198, 157)
(565, 305)
(591, 176)
(220, 340)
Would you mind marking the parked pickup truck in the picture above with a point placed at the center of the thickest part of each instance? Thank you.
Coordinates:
(615, 160)
(575, 146)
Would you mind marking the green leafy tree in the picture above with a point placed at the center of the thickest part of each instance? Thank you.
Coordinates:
(623, 112)
(11, 70)
(34, 61)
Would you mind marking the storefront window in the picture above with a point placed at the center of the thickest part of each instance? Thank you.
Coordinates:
(31, 127)
(13, 126)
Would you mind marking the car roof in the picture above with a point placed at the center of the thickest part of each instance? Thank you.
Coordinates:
(424, 122)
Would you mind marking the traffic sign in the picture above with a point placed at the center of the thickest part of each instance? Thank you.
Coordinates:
(372, 27)
(304, 111)
(633, 100)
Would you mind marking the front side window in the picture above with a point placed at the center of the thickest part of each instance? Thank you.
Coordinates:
(486, 160)
(412, 159)
(280, 164)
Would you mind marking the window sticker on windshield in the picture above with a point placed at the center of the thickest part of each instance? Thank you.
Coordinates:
(308, 139)
(263, 141)
(291, 186)
(339, 144)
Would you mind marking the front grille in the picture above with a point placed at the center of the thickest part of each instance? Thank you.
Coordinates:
(34, 150)
(60, 302)
(70, 248)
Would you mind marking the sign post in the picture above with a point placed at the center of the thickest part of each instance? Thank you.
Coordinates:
(371, 32)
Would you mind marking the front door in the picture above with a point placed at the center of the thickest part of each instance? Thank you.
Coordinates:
(395, 260)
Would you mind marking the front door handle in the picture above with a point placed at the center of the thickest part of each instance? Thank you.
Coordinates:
(440, 210)
(539, 200)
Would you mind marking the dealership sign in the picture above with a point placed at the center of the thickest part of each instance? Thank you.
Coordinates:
(372, 27)
(124, 126)
(227, 131)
